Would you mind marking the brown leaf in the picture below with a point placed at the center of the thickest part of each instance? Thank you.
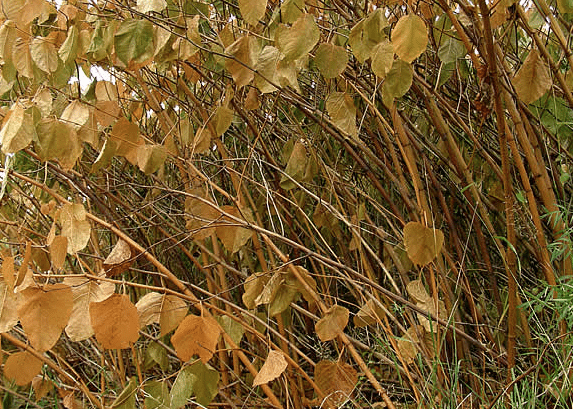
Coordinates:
(75, 226)
(417, 291)
(333, 323)
(119, 260)
(369, 314)
(115, 322)
(58, 251)
(423, 244)
(253, 286)
(229, 231)
(9, 303)
(196, 336)
(336, 381)
(533, 79)
(429, 306)
(407, 345)
(41, 386)
(273, 367)
(85, 291)
(22, 367)
(44, 313)
(8, 272)
(166, 310)
(241, 65)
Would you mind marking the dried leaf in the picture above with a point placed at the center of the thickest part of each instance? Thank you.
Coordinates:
(41, 386)
(417, 291)
(430, 307)
(17, 129)
(85, 291)
(75, 226)
(533, 79)
(9, 304)
(254, 285)
(423, 244)
(166, 310)
(44, 54)
(409, 37)
(58, 140)
(119, 260)
(342, 111)
(230, 232)
(196, 336)
(243, 53)
(336, 381)
(333, 323)
(369, 314)
(273, 367)
(58, 251)
(115, 322)
(407, 345)
(22, 367)
(44, 313)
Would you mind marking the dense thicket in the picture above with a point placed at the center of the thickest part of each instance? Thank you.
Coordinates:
(286, 204)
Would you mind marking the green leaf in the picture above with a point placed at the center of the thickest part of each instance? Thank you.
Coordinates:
(366, 34)
(451, 50)
(409, 37)
(231, 327)
(58, 140)
(158, 395)
(126, 399)
(291, 10)
(398, 81)
(297, 41)
(331, 60)
(182, 387)
(295, 167)
(134, 41)
(382, 59)
(69, 48)
(206, 383)
(156, 354)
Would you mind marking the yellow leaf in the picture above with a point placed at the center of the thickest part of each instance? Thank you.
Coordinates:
(115, 322)
(44, 54)
(196, 336)
(252, 10)
(273, 367)
(84, 292)
(44, 313)
(409, 37)
(297, 41)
